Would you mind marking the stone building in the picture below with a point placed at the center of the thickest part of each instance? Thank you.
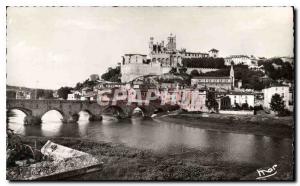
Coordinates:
(241, 98)
(193, 100)
(167, 56)
(213, 53)
(238, 59)
(162, 58)
(226, 82)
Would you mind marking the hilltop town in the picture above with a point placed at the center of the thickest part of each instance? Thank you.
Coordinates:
(237, 84)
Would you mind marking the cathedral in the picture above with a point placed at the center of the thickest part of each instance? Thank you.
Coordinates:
(161, 59)
(169, 56)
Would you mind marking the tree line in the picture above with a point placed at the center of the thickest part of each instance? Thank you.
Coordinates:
(277, 69)
(203, 63)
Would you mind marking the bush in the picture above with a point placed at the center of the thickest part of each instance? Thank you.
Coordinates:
(203, 63)
(245, 106)
(277, 104)
(284, 112)
(257, 108)
(237, 106)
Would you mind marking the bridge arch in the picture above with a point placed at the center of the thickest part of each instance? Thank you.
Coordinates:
(53, 109)
(90, 114)
(27, 112)
(114, 109)
(137, 109)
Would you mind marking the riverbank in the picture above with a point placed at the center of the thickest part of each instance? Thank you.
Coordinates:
(280, 127)
(126, 163)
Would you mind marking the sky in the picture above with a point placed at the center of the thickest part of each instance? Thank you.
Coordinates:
(50, 47)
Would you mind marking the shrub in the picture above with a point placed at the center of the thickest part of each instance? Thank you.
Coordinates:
(284, 112)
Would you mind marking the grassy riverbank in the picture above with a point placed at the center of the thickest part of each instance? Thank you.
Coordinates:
(125, 163)
(281, 127)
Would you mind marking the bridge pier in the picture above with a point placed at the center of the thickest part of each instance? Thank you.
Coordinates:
(73, 118)
(95, 118)
(32, 120)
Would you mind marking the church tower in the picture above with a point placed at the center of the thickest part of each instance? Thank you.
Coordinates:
(232, 77)
(171, 45)
(151, 44)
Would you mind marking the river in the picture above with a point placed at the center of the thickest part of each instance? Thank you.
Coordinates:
(163, 136)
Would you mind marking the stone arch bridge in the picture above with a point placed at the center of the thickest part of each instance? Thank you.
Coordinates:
(35, 109)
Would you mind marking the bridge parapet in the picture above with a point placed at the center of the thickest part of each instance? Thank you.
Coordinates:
(69, 109)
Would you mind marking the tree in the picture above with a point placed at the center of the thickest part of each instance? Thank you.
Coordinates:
(173, 70)
(203, 62)
(211, 102)
(39, 93)
(245, 106)
(44, 94)
(283, 71)
(182, 70)
(113, 74)
(78, 86)
(277, 103)
(225, 103)
(48, 94)
(195, 73)
(63, 92)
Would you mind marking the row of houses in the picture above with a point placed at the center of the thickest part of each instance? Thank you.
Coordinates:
(191, 98)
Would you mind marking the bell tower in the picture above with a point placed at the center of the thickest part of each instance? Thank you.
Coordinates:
(151, 44)
(171, 45)
(232, 77)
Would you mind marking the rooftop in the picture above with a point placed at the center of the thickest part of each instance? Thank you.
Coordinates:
(214, 50)
(196, 53)
(135, 55)
(211, 77)
(240, 93)
(239, 56)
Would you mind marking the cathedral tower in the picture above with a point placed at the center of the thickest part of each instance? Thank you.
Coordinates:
(171, 45)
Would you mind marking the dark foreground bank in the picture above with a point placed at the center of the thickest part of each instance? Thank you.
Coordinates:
(125, 163)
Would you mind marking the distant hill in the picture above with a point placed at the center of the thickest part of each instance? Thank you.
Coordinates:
(15, 88)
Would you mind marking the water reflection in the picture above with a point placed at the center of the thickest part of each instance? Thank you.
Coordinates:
(163, 136)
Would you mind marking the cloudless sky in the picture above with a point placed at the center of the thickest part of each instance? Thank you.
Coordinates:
(50, 47)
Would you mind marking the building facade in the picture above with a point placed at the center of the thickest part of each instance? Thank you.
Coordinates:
(213, 53)
(238, 59)
(193, 100)
(241, 98)
(226, 83)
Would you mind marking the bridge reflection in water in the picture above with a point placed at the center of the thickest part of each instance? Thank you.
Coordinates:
(164, 136)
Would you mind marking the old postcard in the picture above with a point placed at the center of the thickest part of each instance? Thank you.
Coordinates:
(150, 93)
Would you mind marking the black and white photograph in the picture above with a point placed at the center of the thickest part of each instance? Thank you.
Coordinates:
(150, 93)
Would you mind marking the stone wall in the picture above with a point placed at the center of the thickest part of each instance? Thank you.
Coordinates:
(237, 112)
(132, 71)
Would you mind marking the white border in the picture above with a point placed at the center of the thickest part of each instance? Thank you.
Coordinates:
(110, 3)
